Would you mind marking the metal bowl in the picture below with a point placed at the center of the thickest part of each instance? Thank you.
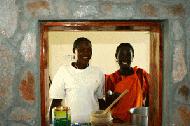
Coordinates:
(139, 116)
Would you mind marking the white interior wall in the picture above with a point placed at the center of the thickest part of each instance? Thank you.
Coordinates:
(104, 45)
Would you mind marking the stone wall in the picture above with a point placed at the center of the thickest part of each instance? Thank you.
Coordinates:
(19, 51)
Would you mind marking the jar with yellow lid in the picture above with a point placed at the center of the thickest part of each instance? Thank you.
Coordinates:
(61, 116)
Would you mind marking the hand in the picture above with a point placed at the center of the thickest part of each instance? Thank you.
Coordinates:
(102, 104)
(111, 96)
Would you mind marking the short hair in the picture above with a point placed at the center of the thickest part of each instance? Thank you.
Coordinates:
(78, 41)
(127, 45)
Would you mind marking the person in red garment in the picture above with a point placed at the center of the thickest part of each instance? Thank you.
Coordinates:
(135, 79)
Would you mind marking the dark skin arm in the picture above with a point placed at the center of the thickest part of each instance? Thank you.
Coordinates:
(103, 104)
(55, 103)
(111, 98)
(110, 95)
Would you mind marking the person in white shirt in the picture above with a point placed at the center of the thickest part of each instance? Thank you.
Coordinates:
(79, 84)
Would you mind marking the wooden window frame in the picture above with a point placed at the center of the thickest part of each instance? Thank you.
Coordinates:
(156, 56)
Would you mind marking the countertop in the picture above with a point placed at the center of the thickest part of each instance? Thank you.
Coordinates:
(116, 124)
(110, 124)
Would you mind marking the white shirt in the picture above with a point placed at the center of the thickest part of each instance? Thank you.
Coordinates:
(80, 89)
